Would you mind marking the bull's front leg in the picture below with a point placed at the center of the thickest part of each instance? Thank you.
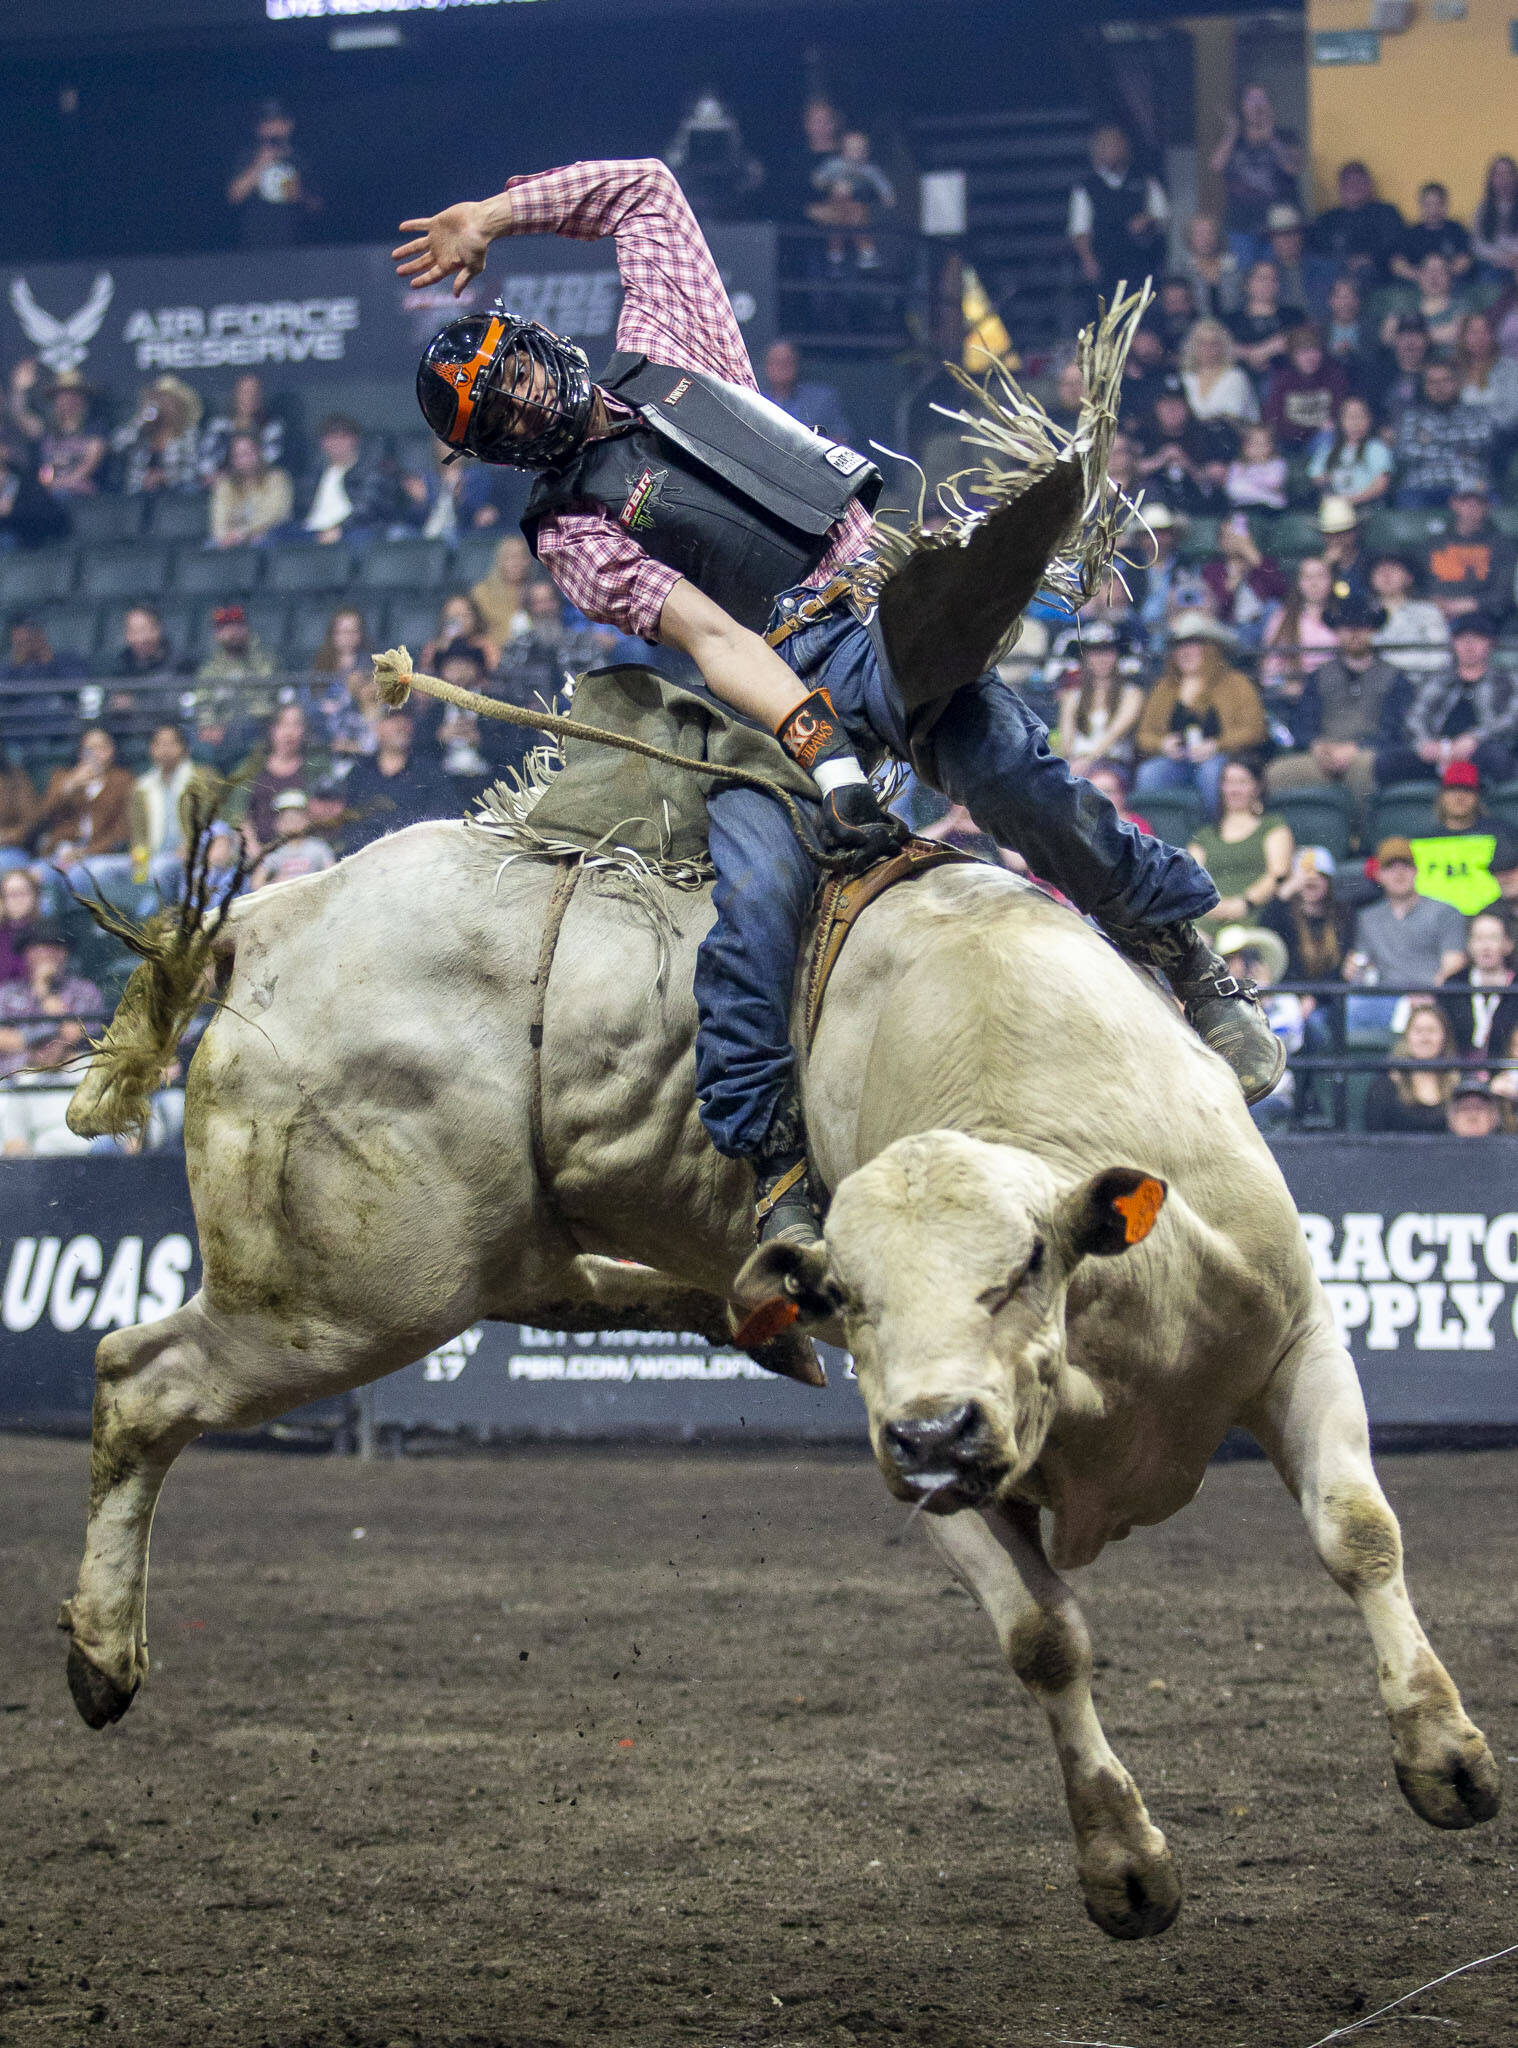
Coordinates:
(1126, 1871)
(1311, 1423)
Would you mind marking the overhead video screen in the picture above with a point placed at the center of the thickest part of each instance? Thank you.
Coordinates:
(319, 10)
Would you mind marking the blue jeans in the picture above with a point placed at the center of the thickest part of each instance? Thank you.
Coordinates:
(1159, 772)
(986, 751)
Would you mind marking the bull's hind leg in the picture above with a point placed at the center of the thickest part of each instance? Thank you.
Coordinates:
(1126, 1871)
(157, 1387)
(1311, 1423)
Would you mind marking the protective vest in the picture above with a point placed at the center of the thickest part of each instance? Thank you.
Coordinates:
(1457, 868)
(714, 481)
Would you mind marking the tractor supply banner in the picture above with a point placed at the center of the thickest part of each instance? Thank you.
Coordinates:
(1415, 1240)
(297, 315)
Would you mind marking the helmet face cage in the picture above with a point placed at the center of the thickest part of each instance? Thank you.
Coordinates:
(529, 405)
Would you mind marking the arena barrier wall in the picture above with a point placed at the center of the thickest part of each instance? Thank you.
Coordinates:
(299, 316)
(1413, 1238)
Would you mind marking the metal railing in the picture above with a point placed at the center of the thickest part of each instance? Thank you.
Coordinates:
(1341, 1061)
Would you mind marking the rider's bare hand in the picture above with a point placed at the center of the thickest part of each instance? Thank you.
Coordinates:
(457, 239)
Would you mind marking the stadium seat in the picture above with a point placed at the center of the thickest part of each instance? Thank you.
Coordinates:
(72, 628)
(1398, 532)
(408, 620)
(308, 621)
(269, 618)
(35, 578)
(131, 573)
(1198, 539)
(473, 555)
(216, 573)
(180, 515)
(1317, 817)
(1505, 519)
(99, 521)
(1403, 808)
(1289, 535)
(1173, 814)
(1502, 802)
(403, 565)
(307, 568)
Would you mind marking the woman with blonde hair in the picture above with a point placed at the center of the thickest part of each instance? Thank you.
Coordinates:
(250, 496)
(1216, 388)
(1199, 713)
(1412, 1095)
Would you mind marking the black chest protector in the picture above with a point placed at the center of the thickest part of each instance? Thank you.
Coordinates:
(714, 481)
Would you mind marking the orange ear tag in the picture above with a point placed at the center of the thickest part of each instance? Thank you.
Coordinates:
(1140, 1210)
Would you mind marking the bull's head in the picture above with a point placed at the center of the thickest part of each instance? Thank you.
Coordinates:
(947, 1261)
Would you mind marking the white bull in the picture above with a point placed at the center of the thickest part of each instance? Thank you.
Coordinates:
(996, 1099)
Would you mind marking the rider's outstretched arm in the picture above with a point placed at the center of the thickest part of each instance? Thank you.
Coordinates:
(736, 665)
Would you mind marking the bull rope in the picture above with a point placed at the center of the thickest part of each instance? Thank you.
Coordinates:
(395, 679)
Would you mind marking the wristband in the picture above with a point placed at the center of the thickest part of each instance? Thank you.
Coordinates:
(836, 772)
(812, 732)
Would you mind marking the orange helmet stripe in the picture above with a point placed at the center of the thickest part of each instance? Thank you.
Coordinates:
(465, 376)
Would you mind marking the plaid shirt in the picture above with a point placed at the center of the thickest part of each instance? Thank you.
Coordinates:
(676, 312)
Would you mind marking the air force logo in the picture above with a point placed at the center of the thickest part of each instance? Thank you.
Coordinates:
(62, 344)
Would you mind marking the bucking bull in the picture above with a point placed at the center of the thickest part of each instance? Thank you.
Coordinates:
(1062, 1258)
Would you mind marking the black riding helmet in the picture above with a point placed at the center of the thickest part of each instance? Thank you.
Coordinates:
(505, 390)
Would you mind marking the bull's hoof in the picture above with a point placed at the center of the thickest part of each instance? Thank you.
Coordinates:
(1140, 1901)
(99, 1698)
(1460, 1789)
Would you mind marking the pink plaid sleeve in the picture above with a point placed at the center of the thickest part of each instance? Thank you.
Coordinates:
(603, 571)
(675, 308)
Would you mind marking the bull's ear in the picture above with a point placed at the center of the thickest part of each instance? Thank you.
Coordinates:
(781, 1284)
(1110, 1213)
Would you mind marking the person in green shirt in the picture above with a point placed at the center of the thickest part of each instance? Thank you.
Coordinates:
(1457, 859)
(1248, 852)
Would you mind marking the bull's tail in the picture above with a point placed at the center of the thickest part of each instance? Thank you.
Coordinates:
(176, 947)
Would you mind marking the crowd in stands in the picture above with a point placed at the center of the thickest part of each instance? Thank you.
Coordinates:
(1307, 669)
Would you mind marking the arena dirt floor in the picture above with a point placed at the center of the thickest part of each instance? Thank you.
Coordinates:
(677, 1748)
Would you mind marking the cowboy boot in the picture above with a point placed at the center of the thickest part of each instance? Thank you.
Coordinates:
(1223, 1011)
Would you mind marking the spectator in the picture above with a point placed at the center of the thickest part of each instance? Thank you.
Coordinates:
(1487, 378)
(1259, 164)
(1305, 390)
(1350, 460)
(1263, 326)
(459, 618)
(33, 659)
(1496, 237)
(1257, 477)
(1415, 637)
(246, 412)
(284, 762)
(1438, 305)
(1300, 629)
(1348, 333)
(145, 653)
(270, 191)
(1395, 378)
(533, 662)
(1362, 233)
(1406, 940)
(1069, 396)
(249, 499)
(1443, 445)
(392, 788)
(1187, 460)
(352, 494)
(237, 655)
(1313, 927)
(857, 194)
(1175, 312)
(18, 814)
(1248, 852)
(20, 909)
(1145, 372)
(1241, 581)
(1460, 856)
(1481, 1003)
(161, 442)
(296, 850)
(45, 1019)
(69, 450)
(1211, 268)
(344, 665)
(30, 516)
(822, 133)
(1254, 954)
(1413, 1095)
(226, 695)
(157, 811)
(812, 403)
(1471, 568)
(1164, 585)
(446, 499)
(1433, 233)
(224, 847)
(1305, 279)
(85, 808)
(1352, 708)
(1216, 387)
(1348, 564)
(1469, 713)
(1199, 713)
(1117, 216)
(1098, 707)
(707, 154)
(501, 592)
(1474, 1111)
